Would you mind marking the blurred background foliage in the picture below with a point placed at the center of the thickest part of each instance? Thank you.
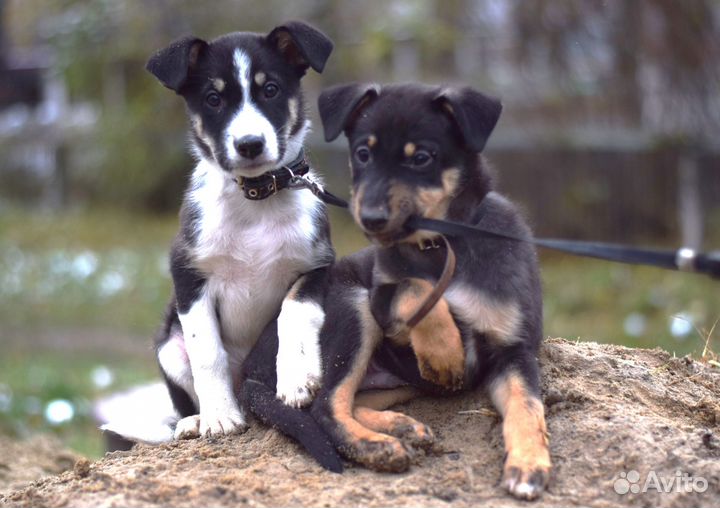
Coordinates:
(609, 132)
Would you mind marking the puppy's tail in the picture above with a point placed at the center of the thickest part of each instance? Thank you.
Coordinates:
(296, 423)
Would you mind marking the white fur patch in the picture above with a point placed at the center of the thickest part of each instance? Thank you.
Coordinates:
(250, 252)
(499, 320)
(299, 367)
(249, 120)
(175, 363)
(294, 112)
(211, 372)
(144, 414)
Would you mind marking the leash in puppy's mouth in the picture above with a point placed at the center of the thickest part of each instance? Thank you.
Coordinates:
(683, 259)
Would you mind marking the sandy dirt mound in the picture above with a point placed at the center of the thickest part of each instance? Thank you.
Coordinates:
(610, 410)
(21, 462)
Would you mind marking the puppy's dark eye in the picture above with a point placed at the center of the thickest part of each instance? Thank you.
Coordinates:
(421, 158)
(213, 99)
(270, 90)
(362, 155)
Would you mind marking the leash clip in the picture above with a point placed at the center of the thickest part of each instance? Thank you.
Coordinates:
(303, 182)
(685, 259)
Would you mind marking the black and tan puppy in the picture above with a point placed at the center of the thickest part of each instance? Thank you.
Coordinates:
(414, 151)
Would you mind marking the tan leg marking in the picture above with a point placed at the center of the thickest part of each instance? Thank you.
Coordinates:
(527, 466)
(383, 399)
(403, 427)
(372, 449)
(435, 339)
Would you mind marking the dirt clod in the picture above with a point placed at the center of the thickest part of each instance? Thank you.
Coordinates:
(611, 411)
(82, 468)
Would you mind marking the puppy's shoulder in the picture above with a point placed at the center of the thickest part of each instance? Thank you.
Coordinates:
(355, 269)
(498, 213)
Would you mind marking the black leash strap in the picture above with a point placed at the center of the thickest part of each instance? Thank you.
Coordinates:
(304, 182)
(685, 260)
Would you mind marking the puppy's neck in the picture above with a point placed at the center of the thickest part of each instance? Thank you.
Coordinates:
(478, 184)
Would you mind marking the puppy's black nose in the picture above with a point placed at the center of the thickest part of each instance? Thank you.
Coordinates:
(374, 221)
(250, 146)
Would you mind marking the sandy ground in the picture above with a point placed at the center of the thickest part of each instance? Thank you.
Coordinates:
(21, 462)
(610, 410)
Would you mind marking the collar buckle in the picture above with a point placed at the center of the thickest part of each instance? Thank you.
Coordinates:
(272, 187)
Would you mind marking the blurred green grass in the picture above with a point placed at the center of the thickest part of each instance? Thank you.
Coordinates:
(82, 291)
(104, 268)
(32, 379)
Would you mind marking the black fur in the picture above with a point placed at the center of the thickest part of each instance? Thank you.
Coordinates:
(337, 104)
(259, 398)
(308, 48)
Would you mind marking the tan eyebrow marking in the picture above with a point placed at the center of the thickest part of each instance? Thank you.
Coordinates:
(409, 149)
(219, 84)
(372, 140)
(260, 78)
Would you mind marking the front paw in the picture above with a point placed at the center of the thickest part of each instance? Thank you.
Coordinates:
(298, 383)
(188, 428)
(443, 364)
(222, 423)
(299, 395)
(211, 423)
(526, 477)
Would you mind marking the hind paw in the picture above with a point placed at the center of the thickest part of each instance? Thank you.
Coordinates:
(413, 433)
(388, 455)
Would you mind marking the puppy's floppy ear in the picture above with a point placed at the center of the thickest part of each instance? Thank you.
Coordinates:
(171, 65)
(474, 113)
(302, 45)
(339, 104)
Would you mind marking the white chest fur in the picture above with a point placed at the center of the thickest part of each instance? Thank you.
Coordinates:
(250, 252)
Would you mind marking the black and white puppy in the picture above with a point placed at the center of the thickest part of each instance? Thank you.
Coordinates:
(243, 240)
(415, 151)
